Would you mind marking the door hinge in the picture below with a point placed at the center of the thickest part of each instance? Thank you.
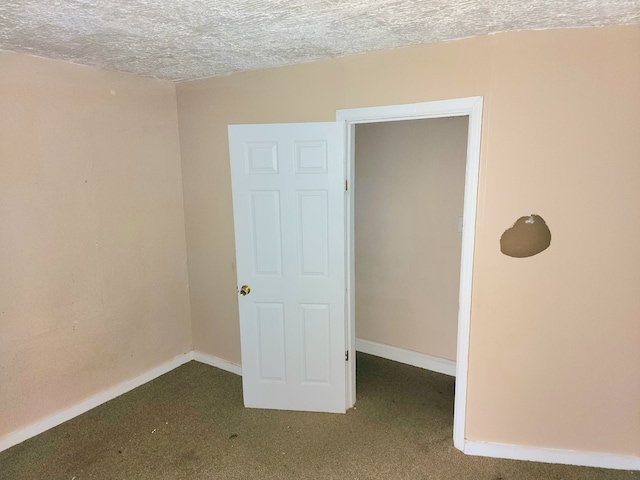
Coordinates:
(346, 355)
(346, 185)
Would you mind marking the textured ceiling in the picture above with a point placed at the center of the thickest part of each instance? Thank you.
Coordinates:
(188, 39)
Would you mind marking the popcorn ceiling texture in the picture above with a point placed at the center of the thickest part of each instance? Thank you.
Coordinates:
(188, 39)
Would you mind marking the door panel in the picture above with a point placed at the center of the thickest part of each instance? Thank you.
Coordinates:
(315, 322)
(288, 202)
(265, 233)
(270, 325)
(312, 233)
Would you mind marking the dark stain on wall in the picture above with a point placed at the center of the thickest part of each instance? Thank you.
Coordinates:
(529, 236)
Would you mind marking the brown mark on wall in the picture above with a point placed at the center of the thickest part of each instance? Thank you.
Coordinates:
(529, 236)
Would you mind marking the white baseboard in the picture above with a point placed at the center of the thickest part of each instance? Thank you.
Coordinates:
(51, 421)
(496, 450)
(550, 455)
(216, 362)
(422, 360)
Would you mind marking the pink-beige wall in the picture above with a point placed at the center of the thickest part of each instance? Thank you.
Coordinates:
(93, 283)
(409, 191)
(555, 338)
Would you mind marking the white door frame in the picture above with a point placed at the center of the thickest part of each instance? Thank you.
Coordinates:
(471, 106)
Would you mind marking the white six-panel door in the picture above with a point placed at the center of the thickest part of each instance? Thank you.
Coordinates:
(288, 203)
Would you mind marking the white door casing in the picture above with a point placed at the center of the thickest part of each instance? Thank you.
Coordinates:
(289, 215)
(471, 106)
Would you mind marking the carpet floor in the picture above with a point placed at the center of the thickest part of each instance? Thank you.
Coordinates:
(191, 424)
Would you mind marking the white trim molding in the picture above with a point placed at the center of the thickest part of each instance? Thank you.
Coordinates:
(216, 362)
(550, 455)
(62, 416)
(421, 360)
(454, 107)
(471, 106)
(485, 449)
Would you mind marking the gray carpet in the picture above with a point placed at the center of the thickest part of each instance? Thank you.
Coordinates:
(191, 424)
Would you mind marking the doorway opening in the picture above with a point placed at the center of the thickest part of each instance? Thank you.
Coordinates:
(465, 107)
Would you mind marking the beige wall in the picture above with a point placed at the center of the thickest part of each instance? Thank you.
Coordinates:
(409, 191)
(93, 283)
(205, 109)
(555, 338)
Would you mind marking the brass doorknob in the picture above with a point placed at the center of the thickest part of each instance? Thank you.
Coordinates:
(245, 290)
